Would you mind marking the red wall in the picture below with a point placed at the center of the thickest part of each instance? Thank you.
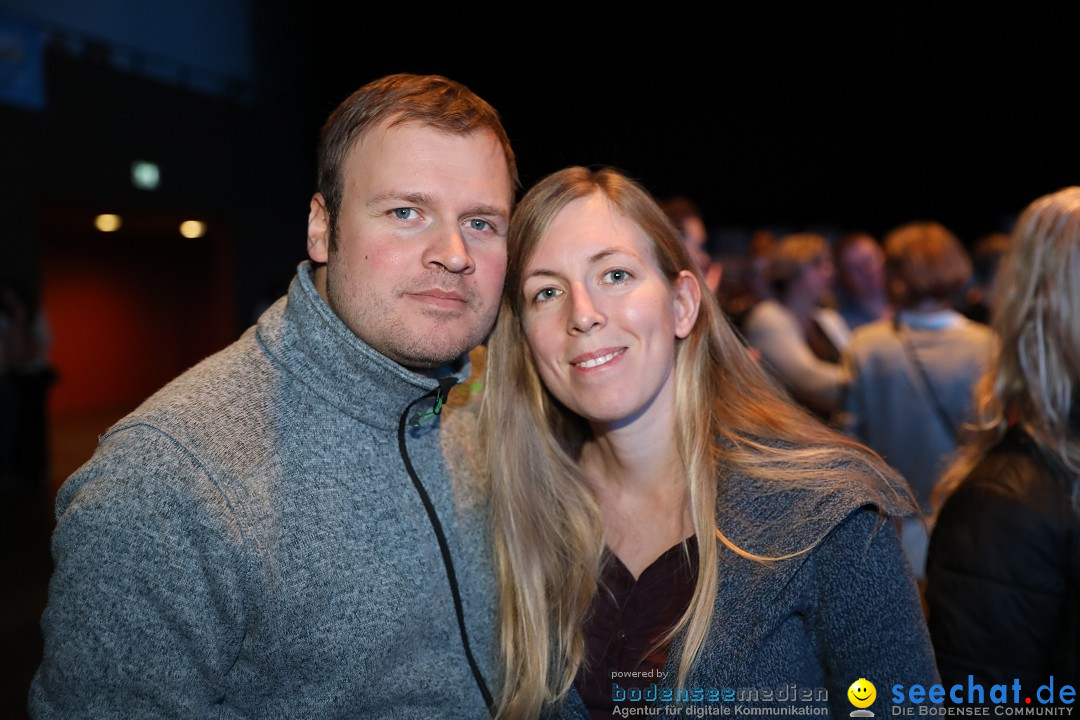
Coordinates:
(131, 310)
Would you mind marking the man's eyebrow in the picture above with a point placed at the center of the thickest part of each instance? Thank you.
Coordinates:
(427, 200)
(491, 210)
(411, 198)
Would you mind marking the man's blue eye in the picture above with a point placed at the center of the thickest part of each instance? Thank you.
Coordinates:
(480, 225)
(404, 213)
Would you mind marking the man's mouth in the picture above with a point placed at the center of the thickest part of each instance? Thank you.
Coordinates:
(439, 298)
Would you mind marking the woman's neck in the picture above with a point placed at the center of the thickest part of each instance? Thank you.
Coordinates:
(630, 458)
(801, 306)
(641, 488)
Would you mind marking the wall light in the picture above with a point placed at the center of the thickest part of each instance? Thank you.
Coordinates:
(145, 175)
(107, 223)
(192, 229)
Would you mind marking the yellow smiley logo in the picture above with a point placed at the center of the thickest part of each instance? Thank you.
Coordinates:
(862, 693)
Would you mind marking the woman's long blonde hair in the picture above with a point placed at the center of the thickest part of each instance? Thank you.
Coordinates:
(1032, 380)
(730, 419)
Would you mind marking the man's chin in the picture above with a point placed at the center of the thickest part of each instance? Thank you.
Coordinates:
(425, 354)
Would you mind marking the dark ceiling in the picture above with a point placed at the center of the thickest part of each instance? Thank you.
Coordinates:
(869, 119)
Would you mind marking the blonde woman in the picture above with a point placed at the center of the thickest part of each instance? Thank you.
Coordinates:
(1003, 572)
(667, 525)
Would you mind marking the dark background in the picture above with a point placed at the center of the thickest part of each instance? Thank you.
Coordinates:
(865, 118)
(813, 118)
(816, 118)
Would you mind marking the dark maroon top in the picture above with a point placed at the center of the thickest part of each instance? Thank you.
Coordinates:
(627, 617)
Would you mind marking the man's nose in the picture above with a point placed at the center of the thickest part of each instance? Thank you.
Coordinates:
(449, 251)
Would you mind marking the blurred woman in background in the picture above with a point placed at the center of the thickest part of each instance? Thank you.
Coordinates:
(798, 337)
(1003, 573)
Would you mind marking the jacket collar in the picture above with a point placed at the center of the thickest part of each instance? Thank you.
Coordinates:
(312, 343)
(770, 524)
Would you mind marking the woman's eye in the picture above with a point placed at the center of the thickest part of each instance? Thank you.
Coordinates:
(548, 293)
(616, 276)
(406, 213)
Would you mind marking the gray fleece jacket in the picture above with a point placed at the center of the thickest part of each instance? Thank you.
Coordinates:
(248, 544)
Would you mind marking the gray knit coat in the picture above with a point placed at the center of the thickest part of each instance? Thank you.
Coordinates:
(814, 623)
(248, 544)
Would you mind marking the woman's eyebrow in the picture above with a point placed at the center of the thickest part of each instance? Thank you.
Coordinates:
(592, 259)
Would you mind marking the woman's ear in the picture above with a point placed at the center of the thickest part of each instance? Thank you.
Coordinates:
(687, 300)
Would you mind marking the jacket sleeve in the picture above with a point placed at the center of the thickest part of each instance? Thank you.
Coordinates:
(869, 621)
(145, 613)
(996, 583)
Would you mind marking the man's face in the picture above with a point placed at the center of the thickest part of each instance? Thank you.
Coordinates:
(864, 269)
(420, 255)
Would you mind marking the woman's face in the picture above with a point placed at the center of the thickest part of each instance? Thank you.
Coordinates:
(600, 319)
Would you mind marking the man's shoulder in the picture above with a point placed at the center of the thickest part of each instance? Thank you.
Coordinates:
(979, 334)
(875, 349)
(874, 335)
(226, 376)
(218, 411)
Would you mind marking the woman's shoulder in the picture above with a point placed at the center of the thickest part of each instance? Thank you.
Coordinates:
(1015, 479)
(783, 512)
(1012, 521)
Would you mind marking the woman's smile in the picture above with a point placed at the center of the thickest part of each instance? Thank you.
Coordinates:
(587, 361)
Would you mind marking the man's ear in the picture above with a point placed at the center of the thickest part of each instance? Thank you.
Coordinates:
(687, 302)
(318, 230)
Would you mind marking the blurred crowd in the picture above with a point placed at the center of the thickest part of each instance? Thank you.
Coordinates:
(957, 362)
(883, 338)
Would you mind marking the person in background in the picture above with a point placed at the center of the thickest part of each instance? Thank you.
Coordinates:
(26, 375)
(860, 279)
(687, 218)
(798, 337)
(1003, 574)
(910, 378)
(660, 506)
(985, 260)
(753, 285)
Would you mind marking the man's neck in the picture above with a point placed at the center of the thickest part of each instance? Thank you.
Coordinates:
(435, 372)
(318, 279)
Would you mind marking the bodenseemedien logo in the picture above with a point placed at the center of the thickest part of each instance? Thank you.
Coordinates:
(862, 694)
